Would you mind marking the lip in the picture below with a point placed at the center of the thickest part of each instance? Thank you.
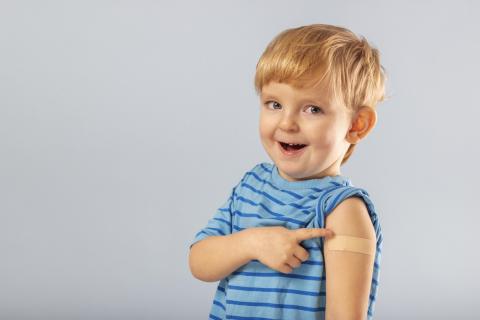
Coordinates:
(292, 153)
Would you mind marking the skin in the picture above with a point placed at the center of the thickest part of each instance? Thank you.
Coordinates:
(309, 116)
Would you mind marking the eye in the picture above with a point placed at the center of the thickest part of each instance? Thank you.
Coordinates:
(315, 109)
(274, 103)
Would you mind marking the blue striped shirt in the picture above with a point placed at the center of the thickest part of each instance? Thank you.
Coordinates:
(264, 198)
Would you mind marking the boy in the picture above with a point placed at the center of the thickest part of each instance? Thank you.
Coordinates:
(296, 239)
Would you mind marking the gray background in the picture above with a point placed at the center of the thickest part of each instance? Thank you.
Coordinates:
(125, 124)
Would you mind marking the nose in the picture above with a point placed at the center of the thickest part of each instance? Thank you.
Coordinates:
(288, 122)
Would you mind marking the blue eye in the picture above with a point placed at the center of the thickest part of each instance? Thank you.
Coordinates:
(274, 102)
(318, 110)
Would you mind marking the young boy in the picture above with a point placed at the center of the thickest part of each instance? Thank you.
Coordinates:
(296, 239)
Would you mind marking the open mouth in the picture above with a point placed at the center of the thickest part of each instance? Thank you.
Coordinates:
(292, 146)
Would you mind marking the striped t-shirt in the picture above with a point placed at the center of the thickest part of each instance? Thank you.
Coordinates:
(264, 198)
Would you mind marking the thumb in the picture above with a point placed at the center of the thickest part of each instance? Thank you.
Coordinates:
(309, 233)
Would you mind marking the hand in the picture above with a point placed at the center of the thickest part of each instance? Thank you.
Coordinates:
(278, 247)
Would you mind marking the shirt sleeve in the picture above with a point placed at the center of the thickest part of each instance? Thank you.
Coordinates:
(221, 222)
(330, 200)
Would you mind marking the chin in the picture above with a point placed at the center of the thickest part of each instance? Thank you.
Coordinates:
(293, 174)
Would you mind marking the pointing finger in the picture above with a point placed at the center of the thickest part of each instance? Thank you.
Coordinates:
(309, 233)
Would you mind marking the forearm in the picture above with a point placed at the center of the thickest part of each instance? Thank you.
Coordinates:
(215, 257)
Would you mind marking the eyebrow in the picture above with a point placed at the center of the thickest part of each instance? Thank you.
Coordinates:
(316, 100)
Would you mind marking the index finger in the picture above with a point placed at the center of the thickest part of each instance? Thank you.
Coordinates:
(309, 233)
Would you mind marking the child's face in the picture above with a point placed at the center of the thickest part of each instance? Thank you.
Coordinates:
(303, 116)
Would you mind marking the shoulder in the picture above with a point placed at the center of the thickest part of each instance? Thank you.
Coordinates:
(350, 210)
(252, 178)
(354, 196)
(260, 171)
(351, 217)
(262, 168)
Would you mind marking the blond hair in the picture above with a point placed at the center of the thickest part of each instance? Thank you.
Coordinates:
(307, 55)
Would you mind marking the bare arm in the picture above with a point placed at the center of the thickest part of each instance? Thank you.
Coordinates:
(216, 257)
(349, 274)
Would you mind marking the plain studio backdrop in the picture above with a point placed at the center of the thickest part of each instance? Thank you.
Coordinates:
(125, 124)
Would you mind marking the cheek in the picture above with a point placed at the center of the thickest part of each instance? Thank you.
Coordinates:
(265, 127)
(323, 137)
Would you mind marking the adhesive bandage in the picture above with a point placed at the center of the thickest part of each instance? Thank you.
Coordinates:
(349, 243)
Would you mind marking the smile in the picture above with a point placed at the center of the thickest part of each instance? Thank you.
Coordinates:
(291, 150)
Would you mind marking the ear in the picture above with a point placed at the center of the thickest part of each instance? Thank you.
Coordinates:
(362, 123)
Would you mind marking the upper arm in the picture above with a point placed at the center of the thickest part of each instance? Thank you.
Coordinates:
(348, 274)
